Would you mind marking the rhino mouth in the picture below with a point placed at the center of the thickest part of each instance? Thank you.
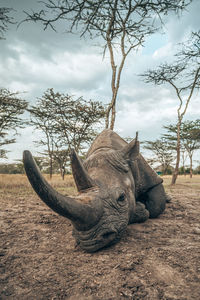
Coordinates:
(109, 235)
(106, 239)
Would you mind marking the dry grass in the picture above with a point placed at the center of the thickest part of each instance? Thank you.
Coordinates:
(19, 182)
(183, 180)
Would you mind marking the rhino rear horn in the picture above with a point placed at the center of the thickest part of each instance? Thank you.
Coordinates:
(80, 174)
(131, 150)
(83, 215)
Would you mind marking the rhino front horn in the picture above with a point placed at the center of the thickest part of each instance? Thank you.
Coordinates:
(83, 215)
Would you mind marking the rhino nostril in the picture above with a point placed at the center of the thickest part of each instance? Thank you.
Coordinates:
(109, 235)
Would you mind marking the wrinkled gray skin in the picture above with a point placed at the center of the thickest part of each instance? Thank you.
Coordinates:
(116, 187)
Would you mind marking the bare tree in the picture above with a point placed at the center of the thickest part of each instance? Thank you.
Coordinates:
(5, 20)
(122, 25)
(41, 119)
(162, 151)
(190, 136)
(11, 109)
(184, 77)
(189, 139)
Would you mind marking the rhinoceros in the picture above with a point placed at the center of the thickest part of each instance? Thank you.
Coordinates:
(115, 186)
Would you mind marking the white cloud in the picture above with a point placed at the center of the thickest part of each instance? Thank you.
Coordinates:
(147, 121)
(163, 52)
(74, 70)
(179, 28)
(40, 60)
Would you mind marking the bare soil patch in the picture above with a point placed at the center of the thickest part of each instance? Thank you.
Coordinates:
(159, 259)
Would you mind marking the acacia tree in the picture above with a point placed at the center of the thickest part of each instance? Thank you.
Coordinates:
(5, 20)
(61, 157)
(122, 25)
(11, 109)
(75, 120)
(184, 77)
(163, 152)
(189, 138)
(171, 137)
(41, 120)
(66, 122)
(42, 162)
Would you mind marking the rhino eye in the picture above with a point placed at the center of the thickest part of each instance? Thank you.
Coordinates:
(121, 198)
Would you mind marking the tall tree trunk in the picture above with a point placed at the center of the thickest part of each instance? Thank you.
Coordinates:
(190, 166)
(184, 172)
(63, 174)
(51, 167)
(112, 123)
(116, 74)
(178, 152)
(61, 171)
(164, 168)
(110, 113)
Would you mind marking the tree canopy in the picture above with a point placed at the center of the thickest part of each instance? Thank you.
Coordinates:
(5, 20)
(121, 26)
(183, 75)
(163, 152)
(189, 138)
(11, 110)
(66, 122)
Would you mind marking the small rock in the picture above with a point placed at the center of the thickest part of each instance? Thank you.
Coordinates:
(196, 230)
(168, 198)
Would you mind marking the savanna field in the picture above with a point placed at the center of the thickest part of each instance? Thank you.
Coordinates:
(158, 259)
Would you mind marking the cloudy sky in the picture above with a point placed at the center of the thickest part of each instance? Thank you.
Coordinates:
(33, 60)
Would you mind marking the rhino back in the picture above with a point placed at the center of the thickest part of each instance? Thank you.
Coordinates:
(107, 139)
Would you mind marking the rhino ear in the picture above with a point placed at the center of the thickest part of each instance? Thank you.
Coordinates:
(131, 150)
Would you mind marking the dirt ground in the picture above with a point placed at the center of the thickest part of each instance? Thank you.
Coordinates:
(159, 259)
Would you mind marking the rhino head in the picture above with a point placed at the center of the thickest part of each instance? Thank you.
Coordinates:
(106, 191)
